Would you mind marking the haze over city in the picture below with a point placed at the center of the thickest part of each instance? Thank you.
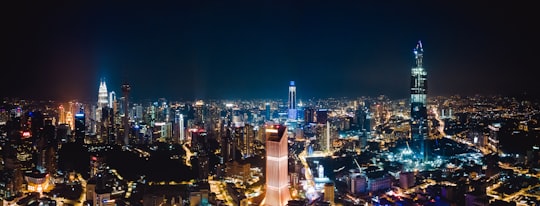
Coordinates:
(245, 49)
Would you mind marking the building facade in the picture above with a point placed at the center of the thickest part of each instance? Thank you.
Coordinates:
(419, 123)
(277, 187)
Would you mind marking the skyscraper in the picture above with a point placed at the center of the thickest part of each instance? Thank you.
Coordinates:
(112, 99)
(80, 126)
(419, 124)
(181, 128)
(103, 99)
(267, 114)
(61, 115)
(277, 188)
(292, 101)
(125, 90)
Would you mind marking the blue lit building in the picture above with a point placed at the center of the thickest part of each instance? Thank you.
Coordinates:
(419, 124)
(267, 114)
(292, 102)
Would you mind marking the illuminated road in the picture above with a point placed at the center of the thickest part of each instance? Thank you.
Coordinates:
(219, 188)
(189, 154)
(79, 202)
(311, 192)
(83, 185)
(522, 192)
(441, 123)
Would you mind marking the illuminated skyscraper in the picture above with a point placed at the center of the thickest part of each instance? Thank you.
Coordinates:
(181, 128)
(277, 188)
(327, 132)
(267, 114)
(292, 101)
(112, 99)
(61, 115)
(125, 90)
(69, 120)
(103, 100)
(419, 124)
(80, 126)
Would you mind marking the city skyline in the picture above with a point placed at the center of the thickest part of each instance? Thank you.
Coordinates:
(200, 50)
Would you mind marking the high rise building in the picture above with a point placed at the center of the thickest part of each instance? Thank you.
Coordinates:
(126, 88)
(309, 115)
(80, 126)
(112, 99)
(61, 115)
(103, 99)
(419, 123)
(181, 129)
(69, 120)
(277, 188)
(292, 101)
(322, 116)
(267, 114)
(327, 137)
(300, 111)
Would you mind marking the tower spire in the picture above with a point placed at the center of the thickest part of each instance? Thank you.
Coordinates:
(418, 53)
(102, 94)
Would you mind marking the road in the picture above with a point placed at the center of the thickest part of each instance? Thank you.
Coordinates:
(80, 202)
(189, 154)
(311, 193)
(219, 187)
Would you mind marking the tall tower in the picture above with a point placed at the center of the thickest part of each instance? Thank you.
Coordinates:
(419, 124)
(267, 115)
(112, 99)
(181, 129)
(277, 188)
(125, 90)
(327, 136)
(61, 115)
(292, 101)
(103, 99)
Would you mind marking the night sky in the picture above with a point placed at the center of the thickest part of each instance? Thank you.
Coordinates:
(252, 49)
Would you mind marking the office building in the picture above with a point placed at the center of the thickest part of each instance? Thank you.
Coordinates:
(277, 187)
(126, 88)
(80, 125)
(267, 111)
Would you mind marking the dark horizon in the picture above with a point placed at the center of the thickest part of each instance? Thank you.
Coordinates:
(246, 49)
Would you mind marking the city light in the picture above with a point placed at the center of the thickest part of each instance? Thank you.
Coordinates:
(270, 104)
